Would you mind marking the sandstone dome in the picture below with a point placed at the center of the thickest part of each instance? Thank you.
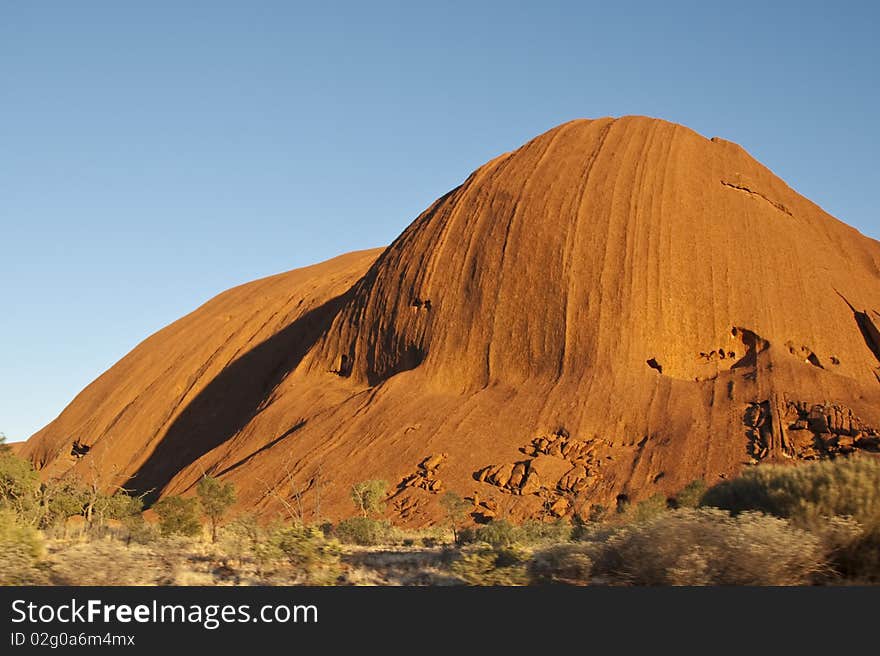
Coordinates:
(614, 309)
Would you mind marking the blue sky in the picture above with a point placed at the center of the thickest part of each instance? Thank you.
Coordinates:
(153, 154)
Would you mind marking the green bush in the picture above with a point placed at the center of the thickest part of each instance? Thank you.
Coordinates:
(535, 532)
(19, 483)
(707, 547)
(691, 495)
(498, 533)
(364, 531)
(137, 530)
(369, 496)
(648, 508)
(466, 535)
(266, 550)
(306, 549)
(119, 506)
(61, 499)
(178, 516)
(504, 566)
(563, 563)
(805, 493)
(21, 549)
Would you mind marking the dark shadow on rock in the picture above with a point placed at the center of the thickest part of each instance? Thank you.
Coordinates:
(290, 431)
(232, 399)
(405, 358)
(753, 344)
(867, 327)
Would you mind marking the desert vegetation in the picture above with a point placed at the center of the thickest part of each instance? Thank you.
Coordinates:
(814, 524)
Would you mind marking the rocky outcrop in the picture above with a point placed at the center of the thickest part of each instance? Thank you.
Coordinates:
(561, 469)
(426, 475)
(824, 430)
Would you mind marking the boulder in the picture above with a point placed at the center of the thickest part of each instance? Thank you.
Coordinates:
(532, 483)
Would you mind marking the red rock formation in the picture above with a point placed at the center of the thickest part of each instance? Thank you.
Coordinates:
(657, 299)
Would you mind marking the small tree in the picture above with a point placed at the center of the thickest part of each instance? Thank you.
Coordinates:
(61, 499)
(19, 483)
(178, 516)
(456, 510)
(216, 498)
(368, 496)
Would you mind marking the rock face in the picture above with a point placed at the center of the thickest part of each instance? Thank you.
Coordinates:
(614, 309)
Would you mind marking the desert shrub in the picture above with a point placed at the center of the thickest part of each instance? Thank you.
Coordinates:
(21, 549)
(579, 530)
(267, 551)
(239, 539)
(595, 532)
(59, 500)
(853, 550)
(428, 536)
(492, 566)
(690, 495)
(364, 531)
(649, 508)
(215, 498)
(178, 516)
(301, 545)
(369, 496)
(306, 549)
(563, 563)
(137, 530)
(534, 532)
(498, 533)
(243, 533)
(314, 558)
(708, 547)
(118, 506)
(19, 483)
(598, 513)
(806, 493)
(466, 535)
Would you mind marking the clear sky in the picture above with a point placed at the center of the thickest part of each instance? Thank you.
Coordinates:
(155, 153)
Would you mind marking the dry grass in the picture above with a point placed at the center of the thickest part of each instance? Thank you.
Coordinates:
(186, 561)
(707, 547)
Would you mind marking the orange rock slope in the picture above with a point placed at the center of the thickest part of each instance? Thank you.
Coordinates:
(612, 310)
